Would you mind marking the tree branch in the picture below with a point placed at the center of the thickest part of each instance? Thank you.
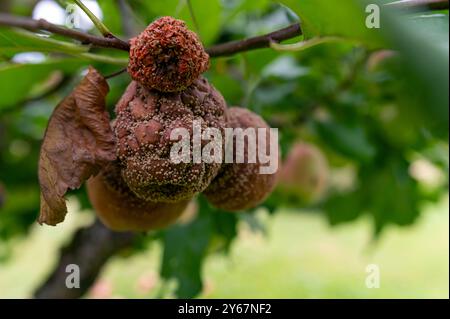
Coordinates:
(44, 25)
(223, 49)
(90, 249)
(262, 41)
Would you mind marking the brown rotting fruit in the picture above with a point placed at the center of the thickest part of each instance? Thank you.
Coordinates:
(241, 186)
(120, 210)
(145, 120)
(167, 56)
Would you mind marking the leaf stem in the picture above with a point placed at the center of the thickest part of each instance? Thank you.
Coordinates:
(97, 22)
(303, 45)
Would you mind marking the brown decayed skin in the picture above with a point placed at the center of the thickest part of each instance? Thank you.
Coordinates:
(145, 119)
(120, 210)
(240, 186)
(167, 56)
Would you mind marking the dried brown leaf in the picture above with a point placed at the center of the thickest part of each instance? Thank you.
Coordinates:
(77, 143)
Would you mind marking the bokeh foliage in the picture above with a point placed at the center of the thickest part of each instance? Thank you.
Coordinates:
(372, 112)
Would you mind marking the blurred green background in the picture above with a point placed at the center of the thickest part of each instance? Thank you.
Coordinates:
(363, 130)
(301, 257)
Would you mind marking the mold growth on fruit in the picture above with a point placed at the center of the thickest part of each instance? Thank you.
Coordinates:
(167, 56)
(241, 186)
(145, 120)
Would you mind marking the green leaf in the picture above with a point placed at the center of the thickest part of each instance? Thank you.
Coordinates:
(185, 247)
(350, 140)
(388, 194)
(16, 41)
(392, 195)
(18, 80)
(208, 17)
(225, 228)
(244, 6)
(19, 211)
(111, 16)
(424, 50)
(334, 18)
(344, 207)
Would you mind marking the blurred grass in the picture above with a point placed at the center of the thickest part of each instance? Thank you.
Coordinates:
(302, 257)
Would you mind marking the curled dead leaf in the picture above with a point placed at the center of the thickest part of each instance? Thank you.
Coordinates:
(77, 143)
